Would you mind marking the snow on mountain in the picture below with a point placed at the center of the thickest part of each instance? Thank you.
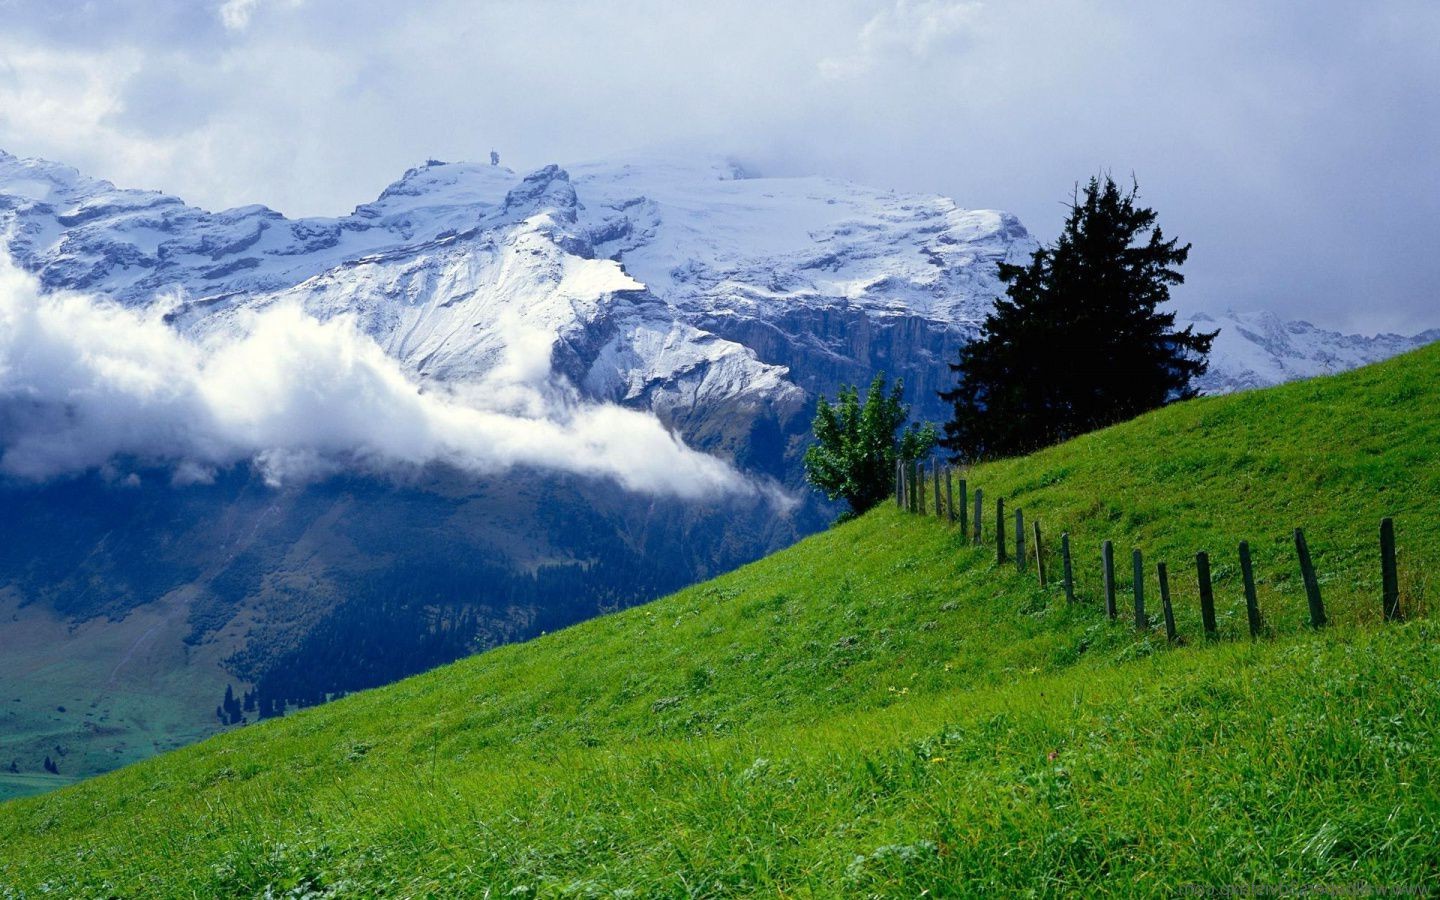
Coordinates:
(720, 301)
(1257, 349)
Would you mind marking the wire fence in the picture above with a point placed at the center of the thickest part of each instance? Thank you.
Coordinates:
(948, 498)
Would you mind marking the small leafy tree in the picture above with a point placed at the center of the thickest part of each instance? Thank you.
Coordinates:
(857, 446)
(1079, 341)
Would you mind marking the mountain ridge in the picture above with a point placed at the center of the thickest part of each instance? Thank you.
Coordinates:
(684, 232)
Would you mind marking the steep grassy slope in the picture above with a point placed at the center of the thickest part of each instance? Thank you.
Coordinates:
(880, 710)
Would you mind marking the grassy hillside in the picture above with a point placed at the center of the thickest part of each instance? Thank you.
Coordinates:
(880, 710)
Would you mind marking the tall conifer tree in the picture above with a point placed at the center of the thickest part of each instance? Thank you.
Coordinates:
(1078, 342)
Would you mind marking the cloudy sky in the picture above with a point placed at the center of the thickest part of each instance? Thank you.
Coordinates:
(1297, 145)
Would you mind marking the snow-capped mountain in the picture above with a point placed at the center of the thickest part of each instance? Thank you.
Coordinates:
(1258, 349)
(682, 288)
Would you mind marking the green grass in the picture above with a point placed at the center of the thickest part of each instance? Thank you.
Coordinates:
(880, 710)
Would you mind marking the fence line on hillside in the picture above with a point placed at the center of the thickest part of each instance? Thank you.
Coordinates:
(912, 480)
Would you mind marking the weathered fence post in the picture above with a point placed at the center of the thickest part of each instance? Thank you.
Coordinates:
(1000, 530)
(964, 509)
(910, 485)
(1252, 603)
(935, 477)
(979, 508)
(1312, 584)
(950, 495)
(899, 484)
(1141, 620)
(1165, 607)
(1389, 571)
(1039, 553)
(1066, 569)
(1207, 594)
(1107, 556)
(1019, 540)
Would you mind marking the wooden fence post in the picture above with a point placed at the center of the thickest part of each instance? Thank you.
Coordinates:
(1039, 553)
(1000, 530)
(1066, 569)
(909, 486)
(935, 478)
(950, 495)
(1252, 603)
(1165, 607)
(1207, 594)
(1389, 572)
(979, 508)
(1107, 556)
(1312, 584)
(964, 509)
(1019, 540)
(899, 484)
(1141, 620)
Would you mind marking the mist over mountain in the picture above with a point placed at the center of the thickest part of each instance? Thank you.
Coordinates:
(314, 455)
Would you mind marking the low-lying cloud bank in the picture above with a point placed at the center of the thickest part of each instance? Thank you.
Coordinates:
(84, 381)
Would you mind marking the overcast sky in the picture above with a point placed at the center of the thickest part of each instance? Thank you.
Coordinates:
(1297, 145)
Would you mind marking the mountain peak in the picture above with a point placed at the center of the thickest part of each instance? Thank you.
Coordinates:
(547, 189)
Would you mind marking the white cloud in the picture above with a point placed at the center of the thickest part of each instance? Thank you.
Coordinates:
(235, 15)
(61, 99)
(906, 32)
(86, 384)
